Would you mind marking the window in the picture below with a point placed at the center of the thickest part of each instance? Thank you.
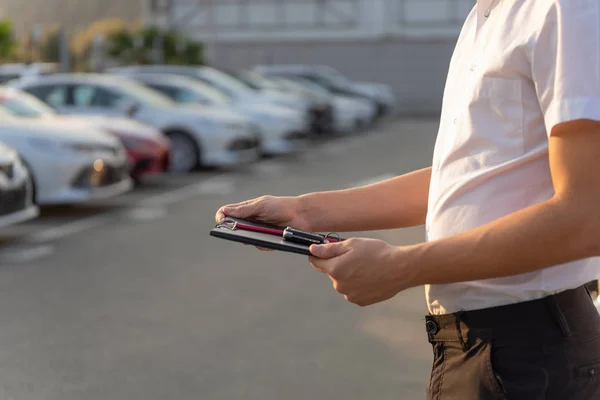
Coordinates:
(166, 90)
(54, 95)
(187, 96)
(94, 96)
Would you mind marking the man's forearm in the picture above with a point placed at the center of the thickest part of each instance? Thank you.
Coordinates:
(544, 235)
(395, 203)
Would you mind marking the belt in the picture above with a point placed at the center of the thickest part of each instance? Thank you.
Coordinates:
(571, 313)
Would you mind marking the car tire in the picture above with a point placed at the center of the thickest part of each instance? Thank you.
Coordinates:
(185, 152)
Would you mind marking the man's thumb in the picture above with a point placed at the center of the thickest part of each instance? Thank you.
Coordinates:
(327, 251)
(239, 211)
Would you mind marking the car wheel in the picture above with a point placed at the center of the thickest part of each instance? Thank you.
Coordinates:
(184, 155)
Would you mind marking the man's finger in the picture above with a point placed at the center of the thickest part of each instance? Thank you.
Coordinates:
(327, 251)
(318, 264)
(264, 248)
(241, 211)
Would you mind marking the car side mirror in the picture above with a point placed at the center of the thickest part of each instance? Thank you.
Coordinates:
(129, 107)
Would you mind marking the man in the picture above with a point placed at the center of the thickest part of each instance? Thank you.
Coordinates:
(511, 205)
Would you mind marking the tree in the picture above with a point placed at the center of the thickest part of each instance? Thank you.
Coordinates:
(8, 43)
(140, 46)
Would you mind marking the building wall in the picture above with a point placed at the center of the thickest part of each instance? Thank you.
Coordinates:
(404, 43)
(416, 69)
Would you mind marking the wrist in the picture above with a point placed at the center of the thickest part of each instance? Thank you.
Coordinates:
(408, 269)
(306, 212)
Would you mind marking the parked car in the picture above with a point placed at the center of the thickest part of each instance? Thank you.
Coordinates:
(381, 94)
(16, 189)
(147, 148)
(68, 162)
(321, 107)
(275, 126)
(349, 113)
(198, 137)
(9, 72)
(234, 88)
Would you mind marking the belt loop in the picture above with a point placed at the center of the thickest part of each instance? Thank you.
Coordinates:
(558, 315)
(464, 342)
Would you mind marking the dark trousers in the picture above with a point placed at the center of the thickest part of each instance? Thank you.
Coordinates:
(541, 349)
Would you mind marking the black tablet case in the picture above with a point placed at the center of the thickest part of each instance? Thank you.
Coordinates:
(259, 239)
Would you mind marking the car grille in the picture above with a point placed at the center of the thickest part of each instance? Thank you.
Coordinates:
(13, 200)
(108, 175)
(242, 144)
(295, 136)
(321, 119)
(141, 165)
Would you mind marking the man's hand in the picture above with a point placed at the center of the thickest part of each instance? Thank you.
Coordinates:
(366, 271)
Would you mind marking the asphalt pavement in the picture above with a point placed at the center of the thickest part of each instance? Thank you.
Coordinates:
(130, 298)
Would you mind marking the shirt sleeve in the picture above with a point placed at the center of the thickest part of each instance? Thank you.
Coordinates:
(565, 62)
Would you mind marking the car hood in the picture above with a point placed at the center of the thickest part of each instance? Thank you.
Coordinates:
(287, 99)
(118, 125)
(63, 130)
(374, 89)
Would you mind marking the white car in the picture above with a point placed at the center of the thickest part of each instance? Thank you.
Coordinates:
(16, 189)
(349, 113)
(198, 137)
(147, 148)
(380, 94)
(320, 105)
(239, 91)
(275, 126)
(67, 162)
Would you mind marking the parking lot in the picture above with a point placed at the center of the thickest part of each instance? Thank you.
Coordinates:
(130, 298)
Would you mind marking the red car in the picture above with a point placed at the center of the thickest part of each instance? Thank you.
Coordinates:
(148, 149)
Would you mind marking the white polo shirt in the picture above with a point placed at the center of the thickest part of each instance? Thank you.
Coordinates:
(519, 68)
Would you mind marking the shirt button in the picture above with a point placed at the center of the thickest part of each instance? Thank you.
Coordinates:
(472, 68)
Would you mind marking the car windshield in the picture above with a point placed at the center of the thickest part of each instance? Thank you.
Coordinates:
(224, 82)
(145, 95)
(315, 87)
(333, 75)
(211, 93)
(7, 77)
(24, 105)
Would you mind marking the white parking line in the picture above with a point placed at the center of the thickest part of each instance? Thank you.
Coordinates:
(68, 229)
(147, 214)
(219, 186)
(372, 180)
(271, 169)
(26, 255)
(151, 208)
